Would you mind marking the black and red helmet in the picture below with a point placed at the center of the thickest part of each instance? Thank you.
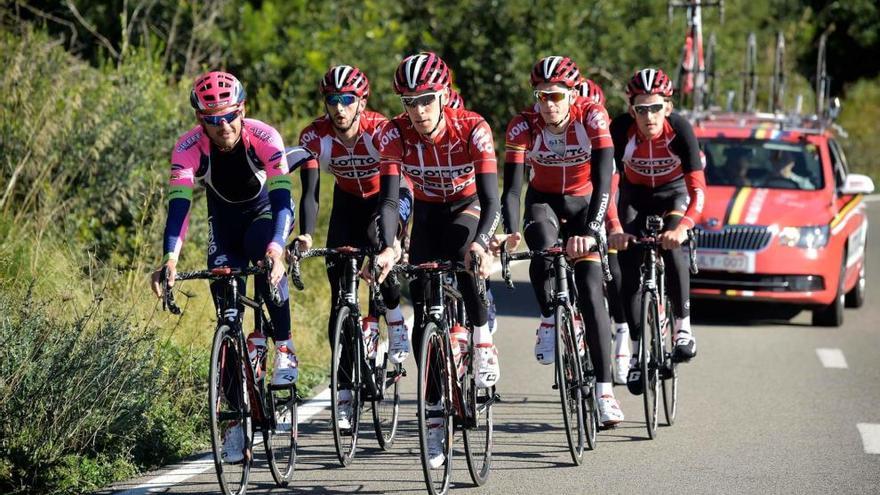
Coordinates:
(590, 90)
(555, 69)
(649, 82)
(424, 71)
(345, 79)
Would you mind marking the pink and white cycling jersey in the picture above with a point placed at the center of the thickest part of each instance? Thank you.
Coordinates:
(247, 177)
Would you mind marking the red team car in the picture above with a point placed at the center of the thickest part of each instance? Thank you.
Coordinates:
(784, 220)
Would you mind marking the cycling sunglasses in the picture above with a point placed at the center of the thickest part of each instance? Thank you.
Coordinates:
(646, 109)
(420, 100)
(554, 96)
(345, 99)
(217, 120)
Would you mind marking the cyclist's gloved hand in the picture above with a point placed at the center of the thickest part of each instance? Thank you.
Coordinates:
(620, 240)
(579, 246)
(156, 277)
(304, 242)
(673, 239)
(277, 272)
(512, 241)
(485, 259)
(385, 261)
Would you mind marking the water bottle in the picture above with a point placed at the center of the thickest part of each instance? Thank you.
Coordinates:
(580, 330)
(460, 342)
(256, 346)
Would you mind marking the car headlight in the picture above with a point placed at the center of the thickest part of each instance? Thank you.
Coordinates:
(804, 237)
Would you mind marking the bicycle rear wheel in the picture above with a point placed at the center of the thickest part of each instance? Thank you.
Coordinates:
(281, 438)
(569, 379)
(477, 434)
(434, 386)
(345, 375)
(590, 404)
(387, 410)
(649, 362)
(229, 408)
(669, 371)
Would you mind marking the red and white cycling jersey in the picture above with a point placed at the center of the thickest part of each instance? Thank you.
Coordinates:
(651, 162)
(444, 170)
(563, 167)
(356, 169)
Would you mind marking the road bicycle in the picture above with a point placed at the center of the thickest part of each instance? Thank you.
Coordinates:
(447, 379)
(370, 380)
(239, 394)
(657, 371)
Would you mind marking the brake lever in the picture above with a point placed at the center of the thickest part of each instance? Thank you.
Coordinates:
(692, 252)
(478, 280)
(505, 266)
(293, 270)
(375, 289)
(274, 291)
(168, 296)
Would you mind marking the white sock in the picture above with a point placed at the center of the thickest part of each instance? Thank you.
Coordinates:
(621, 339)
(288, 343)
(393, 314)
(683, 325)
(482, 335)
(604, 388)
(548, 320)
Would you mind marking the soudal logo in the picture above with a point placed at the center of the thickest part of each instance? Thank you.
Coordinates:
(189, 142)
(517, 130)
(308, 137)
(391, 133)
(355, 173)
(597, 120)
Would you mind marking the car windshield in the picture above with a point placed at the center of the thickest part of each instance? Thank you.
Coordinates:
(756, 163)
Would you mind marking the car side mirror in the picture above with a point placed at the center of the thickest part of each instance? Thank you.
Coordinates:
(857, 184)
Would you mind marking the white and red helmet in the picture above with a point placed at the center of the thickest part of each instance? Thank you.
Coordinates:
(424, 71)
(590, 90)
(216, 90)
(555, 69)
(455, 99)
(649, 82)
(345, 79)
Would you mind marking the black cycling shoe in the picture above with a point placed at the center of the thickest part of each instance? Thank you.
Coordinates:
(634, 379)
(684, 350)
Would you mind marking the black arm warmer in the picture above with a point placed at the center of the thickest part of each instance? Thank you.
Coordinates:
(389, 195)
(513, 180)
(600, 175)
(490, 208)
(308, 203)
(619, 127)
(685, 144)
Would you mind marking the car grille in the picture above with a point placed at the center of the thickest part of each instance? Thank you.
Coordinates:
(734, 237)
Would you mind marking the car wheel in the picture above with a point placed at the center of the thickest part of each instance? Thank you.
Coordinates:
(832, 315)
(855, 298)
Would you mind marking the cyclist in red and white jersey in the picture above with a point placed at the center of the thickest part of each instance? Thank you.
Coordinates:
(569, 149)
(661, 172)
(449, 155)
(341, 142)
(588, 89)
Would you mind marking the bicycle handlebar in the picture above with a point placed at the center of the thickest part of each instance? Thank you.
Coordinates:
(221, 273)
(651, 241)
(557, 250)
(295, 256)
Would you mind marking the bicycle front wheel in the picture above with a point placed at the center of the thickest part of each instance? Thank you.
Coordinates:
(590, 405)
(569, 379)
(435, 409)
(281, 438)
(387, 410)
(669, 372)
(649, 362)
(229, 408)
(346, 402)
(477, 433)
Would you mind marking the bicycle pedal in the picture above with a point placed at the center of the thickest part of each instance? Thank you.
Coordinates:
(284, 388)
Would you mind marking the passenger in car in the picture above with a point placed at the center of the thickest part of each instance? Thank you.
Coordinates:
(782, 170)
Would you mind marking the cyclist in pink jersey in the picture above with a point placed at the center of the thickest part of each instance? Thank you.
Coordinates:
(241, 163)
(566, 143)
(449, 155)
(661, 173)
(341, 142)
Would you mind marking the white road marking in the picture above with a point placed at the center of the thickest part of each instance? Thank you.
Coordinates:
(870, 437)
(198, 466)
(832, 358)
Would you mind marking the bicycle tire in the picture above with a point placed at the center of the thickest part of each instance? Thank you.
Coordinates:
(386, 412)
(435, 371)
(346, 333)
(280, 436)
(590, 402)
(478, 436)
(648, 362)
(227, 386)
(568, 382)
(669, 382)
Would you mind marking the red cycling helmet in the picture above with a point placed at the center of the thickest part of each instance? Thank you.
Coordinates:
(649, 82)
(216, 90)
(555, 69)
(345, 79)
(590, 90)
(421, 72)
(455, 99)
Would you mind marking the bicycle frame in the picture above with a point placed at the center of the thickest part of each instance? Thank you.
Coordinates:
(692, 70)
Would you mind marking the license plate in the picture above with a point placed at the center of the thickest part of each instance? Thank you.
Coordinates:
(726, 262)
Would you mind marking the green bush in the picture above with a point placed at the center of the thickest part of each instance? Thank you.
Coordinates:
(860, 116)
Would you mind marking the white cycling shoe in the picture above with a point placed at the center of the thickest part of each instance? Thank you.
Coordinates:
(343, 411)
(398, 345)
(488, 369)
(545, 343)
(436, 438)
(609, 411)
(285, 369)
(233, 445)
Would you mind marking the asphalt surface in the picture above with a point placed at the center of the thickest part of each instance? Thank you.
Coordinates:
(758, 413)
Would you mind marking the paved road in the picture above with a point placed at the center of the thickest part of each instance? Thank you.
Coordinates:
(759, 413)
